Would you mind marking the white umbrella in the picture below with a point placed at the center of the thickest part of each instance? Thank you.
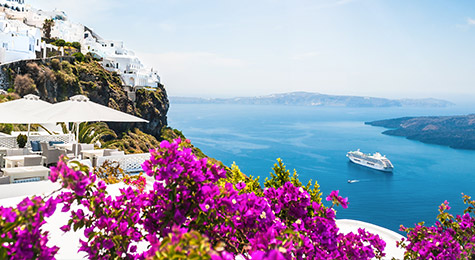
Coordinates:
(80, 109)
(22, 111)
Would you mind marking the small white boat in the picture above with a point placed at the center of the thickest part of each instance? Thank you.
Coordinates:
(375, 161)
(353, 181)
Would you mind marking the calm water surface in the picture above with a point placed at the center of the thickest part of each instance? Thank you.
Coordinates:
(315, 140)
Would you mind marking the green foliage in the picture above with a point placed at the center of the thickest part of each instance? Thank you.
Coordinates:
(59, 42)
(92, 132)
(21, 140)
(76, 45)
(6, 128)
(134, 141)
(281, 175)
(79, 57)
(8, 97)
(235, 176)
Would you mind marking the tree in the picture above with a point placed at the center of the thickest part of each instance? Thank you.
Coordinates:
(47, 26)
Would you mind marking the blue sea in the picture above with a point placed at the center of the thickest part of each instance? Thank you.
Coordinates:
(314, 142)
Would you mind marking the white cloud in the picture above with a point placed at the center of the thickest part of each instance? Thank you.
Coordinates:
(306, 55)
(471, 21)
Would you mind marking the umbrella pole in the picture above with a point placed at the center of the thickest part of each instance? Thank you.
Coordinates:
(28, 138)
(77, 140)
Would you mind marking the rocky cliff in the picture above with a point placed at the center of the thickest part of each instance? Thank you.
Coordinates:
(57, 79)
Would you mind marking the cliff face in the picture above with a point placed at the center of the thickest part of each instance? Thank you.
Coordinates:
(56, 80)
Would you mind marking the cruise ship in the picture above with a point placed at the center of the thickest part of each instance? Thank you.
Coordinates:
(375, 161)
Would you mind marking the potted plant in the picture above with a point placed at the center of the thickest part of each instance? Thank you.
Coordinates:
(21, 140)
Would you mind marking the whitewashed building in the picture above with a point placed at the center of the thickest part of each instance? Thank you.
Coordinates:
(17, 40)
(115, 57)
(21, 32)
(68, 31)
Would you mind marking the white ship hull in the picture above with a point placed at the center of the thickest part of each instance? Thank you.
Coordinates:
(372, 165)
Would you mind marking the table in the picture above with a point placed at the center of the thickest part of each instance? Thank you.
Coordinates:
(12, 161)
(26, 172)
(90, 154)
(64, 146)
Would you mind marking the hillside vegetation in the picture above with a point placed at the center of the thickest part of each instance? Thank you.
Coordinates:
(57, 79)
(454, 131)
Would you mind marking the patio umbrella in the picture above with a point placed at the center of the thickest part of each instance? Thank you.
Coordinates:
(22, 111)
(80, 109)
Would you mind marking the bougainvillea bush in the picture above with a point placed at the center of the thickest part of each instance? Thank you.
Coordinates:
(450, 238)
(192, 210)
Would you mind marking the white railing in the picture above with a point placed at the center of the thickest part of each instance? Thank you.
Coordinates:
(65, 138)
(128, 163)
(10, 141)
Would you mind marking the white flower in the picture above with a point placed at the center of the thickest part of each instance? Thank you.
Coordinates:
(301, 190)
(234, 201)
(263, 215)
(298, 222)
(206, 206)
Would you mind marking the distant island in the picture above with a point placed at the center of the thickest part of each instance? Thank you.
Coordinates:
(315, 99)
(454, 131)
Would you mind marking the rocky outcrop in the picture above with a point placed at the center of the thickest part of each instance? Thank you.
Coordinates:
(454, 131)
(57, 79)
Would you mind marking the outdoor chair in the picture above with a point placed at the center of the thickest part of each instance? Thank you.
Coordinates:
(31, 161)
(52, 154)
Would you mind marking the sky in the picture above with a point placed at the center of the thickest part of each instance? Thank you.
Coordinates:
(224, 48)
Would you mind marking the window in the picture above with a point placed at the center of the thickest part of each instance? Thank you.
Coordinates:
(112, 44)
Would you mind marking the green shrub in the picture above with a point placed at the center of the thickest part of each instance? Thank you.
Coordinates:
(79, 57)
(59, 42)
(6, 128)
(21, 140)
(76, 45)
